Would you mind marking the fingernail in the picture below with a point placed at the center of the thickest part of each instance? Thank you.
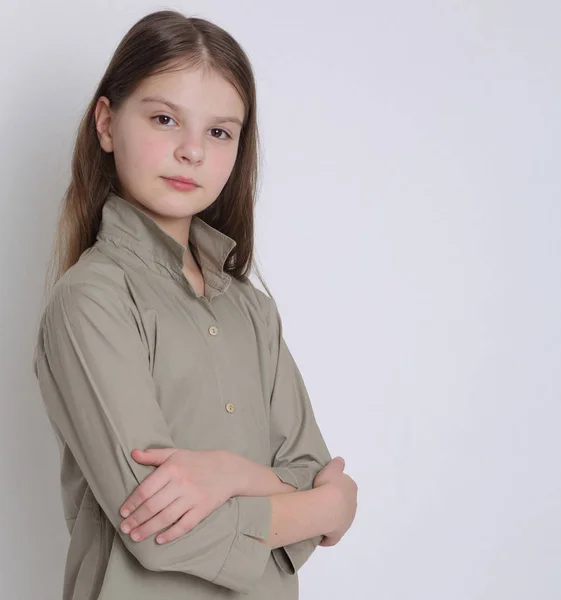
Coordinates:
(125, 513)
(160, 540)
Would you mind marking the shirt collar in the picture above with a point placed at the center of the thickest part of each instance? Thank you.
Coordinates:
(124, 224)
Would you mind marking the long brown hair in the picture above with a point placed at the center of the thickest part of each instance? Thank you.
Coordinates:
(162, 42)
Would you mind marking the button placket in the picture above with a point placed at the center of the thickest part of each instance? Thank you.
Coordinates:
(213, 331)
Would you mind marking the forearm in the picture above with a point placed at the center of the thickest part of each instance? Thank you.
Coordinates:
(255, 479)
(301, 515)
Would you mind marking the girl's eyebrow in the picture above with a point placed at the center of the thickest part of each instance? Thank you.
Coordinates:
(177, 108)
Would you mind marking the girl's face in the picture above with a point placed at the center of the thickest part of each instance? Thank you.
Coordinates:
(197, 138)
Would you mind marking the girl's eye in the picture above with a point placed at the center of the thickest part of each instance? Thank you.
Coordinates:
(223, 131)
(162, 116)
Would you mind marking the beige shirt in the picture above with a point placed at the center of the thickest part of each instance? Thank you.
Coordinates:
(129, 355)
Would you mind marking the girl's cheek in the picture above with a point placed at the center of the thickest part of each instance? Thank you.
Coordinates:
(223, 164)
(152, 153)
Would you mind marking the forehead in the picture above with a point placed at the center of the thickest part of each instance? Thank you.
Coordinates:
(193, 90)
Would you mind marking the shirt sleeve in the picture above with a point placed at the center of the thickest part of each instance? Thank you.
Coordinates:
(93, 368)
(299, 449)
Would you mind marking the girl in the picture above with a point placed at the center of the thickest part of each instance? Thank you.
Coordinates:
(191, 462)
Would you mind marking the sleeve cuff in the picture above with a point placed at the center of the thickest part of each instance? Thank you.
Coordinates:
(300, 477)
(246, 561)
(292, 557)
(286, 475)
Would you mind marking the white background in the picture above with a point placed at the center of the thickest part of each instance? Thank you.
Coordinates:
(409, 227)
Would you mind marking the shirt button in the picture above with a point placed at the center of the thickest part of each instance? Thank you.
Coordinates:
(213, 330)
(230, 407)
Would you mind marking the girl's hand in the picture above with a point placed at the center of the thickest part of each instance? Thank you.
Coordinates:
(346, 491)
(185, 488)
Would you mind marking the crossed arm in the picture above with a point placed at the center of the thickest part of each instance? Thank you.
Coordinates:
(187, 486)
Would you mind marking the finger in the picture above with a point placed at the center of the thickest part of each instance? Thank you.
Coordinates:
(183, 526)
(153, 456)
(150, 486)
(168, 516)
(337, 464)
(148, 509)
(327, 542)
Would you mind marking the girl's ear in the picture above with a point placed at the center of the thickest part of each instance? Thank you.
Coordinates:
(103, 123)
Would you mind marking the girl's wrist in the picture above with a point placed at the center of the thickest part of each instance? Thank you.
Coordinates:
(238, 476)
(249, 478)
(332, 501)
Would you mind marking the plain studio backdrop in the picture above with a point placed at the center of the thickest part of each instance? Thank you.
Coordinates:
(409, 225)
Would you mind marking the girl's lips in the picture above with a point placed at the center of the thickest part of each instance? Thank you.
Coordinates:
(181, 185)
(183, 179)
